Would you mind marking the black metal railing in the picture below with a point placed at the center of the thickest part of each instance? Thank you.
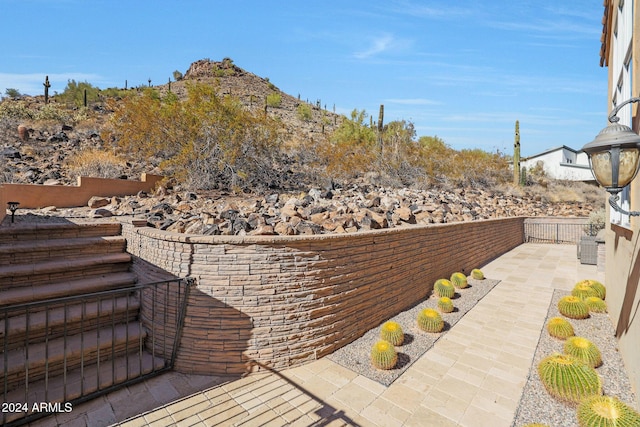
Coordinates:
(558, 232)
(60, 352)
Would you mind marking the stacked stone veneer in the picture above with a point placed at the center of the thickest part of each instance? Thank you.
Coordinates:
(285, 300)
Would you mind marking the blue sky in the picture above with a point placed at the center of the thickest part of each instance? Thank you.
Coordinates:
(463, 70)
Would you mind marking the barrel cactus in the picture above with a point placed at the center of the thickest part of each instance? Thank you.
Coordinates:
(444, 288)
(573, 307)
(601, 291)
(429, 320)
(392, 331)
(477, 274)
(583, 291)
(568, 379)
(606, 411)
(583, 350)
(383, 355)
(596, 305)
(559, 327)
(445, 305)
(459, 280)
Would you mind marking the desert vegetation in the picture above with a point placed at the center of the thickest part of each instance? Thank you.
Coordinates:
(218, 127)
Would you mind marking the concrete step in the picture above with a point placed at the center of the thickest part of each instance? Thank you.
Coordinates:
(47, 231)
(62, 354)
(16, 275)
(83, 382)
(56, 321)
(32, 251)
(40, 291)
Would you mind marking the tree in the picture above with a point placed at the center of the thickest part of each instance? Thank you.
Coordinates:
(13, 93)
(74, 93)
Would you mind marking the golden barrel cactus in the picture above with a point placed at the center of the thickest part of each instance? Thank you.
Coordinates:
(429, 320)
(559, 327)
(392, 331)
(383, 355)
(568, 379)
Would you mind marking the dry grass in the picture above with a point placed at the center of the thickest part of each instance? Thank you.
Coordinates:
(560, 192)
(96, 163)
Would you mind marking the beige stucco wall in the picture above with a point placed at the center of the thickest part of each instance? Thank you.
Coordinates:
(285, 300)
(623, 298)
(38, 196)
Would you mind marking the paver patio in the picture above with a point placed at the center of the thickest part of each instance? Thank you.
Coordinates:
(473, 376)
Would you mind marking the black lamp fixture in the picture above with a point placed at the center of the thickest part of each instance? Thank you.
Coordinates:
(614, 157)
(13, 206)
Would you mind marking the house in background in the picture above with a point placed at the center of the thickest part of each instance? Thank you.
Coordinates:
(561, 163)
(620, 52)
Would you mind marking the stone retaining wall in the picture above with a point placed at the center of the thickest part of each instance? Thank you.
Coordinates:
(285, 300)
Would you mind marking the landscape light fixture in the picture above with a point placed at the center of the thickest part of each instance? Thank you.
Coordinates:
(614, 157)
(13, 207)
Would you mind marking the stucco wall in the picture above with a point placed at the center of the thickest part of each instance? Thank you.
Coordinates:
(285, 300)
(623, 297)
(39, 196)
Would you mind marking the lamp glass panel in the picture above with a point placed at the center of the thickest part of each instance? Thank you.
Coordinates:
(628, 166)
(601, 166)
(603, 171)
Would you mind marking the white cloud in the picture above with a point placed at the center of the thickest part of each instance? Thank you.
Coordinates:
(378, 45)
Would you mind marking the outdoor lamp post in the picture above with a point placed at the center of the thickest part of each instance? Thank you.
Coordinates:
(13, 206)
(614, 157)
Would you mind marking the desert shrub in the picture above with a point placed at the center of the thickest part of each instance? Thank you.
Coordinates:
(114, 92)
(52, 112)
(206, 141)
(304, 112)
(12, 93)
(10, 109)
(595, 223)
(274, 99)
(350, 150)
(73, 93)
(96, 163)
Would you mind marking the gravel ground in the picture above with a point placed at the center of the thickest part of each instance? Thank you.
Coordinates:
(355, 356)
(536, 405)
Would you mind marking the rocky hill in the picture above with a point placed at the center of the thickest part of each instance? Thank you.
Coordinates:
(38, 152)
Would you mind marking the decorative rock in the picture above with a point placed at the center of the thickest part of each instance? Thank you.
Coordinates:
(101, 213)
(98, 202)
(23, 132)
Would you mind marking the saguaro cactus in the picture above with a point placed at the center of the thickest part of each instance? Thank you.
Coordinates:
(46, 85)
(516, 155)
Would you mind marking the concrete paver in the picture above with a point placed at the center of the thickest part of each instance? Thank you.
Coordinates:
(473, 376)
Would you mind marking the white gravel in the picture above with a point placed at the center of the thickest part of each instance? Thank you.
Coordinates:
(536, 405)
(356, 355)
